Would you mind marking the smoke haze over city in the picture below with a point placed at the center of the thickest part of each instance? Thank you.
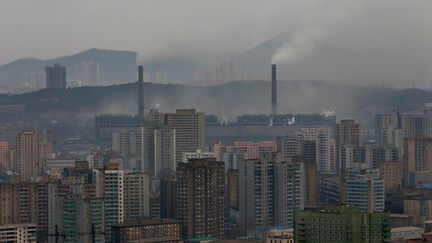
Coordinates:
(390, 38)
(224, 121)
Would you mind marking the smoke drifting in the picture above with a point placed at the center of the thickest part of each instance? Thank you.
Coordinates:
(302, 45)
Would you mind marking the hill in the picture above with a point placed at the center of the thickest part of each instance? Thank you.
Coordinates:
(228, 100)
(114, 65)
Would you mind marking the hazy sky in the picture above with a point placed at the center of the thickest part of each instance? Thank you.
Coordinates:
(51, 28)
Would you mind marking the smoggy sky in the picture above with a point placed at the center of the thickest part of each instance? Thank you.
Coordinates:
(51, 28)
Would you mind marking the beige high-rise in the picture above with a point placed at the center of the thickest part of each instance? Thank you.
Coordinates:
(189, 130)
(28, 155)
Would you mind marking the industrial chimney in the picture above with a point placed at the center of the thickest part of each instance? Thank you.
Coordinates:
(140, 93)
(273, 89)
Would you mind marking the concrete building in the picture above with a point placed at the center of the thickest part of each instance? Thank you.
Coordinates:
(137, 196)
(167, 197)
(83, 219)
(347, 134)
(153, 149)
(418, 157)
(114, 184)
(106, 125)
(165, 150)
(341, 224)
(200, 198)
(406, 233)
(28, 162)
(419, 205)
(364, 189)
(25, 203)
(265, 127)
(241, 150)
(252, 150)
(279, 235)
(5, 154)
(18, 233)
(189, 129)
(270, 189)
(331, 190)
(324, 150)
(197, 155)
(289, 146)
(388, 132)
(87, 73)
(56, 77)
(401, 220)
(165, 230)
(290, 190)
(233, 188)
(416, 124)
(256, 192)
(9, 134)
(391, 173)
(127, 142)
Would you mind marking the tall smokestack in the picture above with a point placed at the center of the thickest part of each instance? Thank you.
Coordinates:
(140, 93)
(273, 89)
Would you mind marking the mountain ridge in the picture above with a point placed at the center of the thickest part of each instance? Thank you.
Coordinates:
(226, 100)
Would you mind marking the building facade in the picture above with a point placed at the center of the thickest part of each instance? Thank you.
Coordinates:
(200, 198)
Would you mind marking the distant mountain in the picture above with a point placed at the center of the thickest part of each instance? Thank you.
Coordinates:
(227, 100)
(328, 61)
(114, 65)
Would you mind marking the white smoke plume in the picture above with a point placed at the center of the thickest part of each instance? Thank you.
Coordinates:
(302, 45)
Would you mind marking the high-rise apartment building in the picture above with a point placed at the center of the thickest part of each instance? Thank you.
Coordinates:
(83, 219)
(347, 135)
(392, 174)
(289, 146)
(24, 203)
(290, 190)
(137, 196)
(341, 224)
(5, 154)
(164, 150)
(127, 196)
(114, 198)
(167, 196)
(367, 156)
(256, 192)
(418, 157)
(200, 192)
(189, 131)
(416, 124)
(18, 233)
(387, 131)
(270, 189)
(28, 162)
(88, 73)
(233, 188)
(56, 77)
(321, 139)
(153, 148)
(364, 189)
(127, 142)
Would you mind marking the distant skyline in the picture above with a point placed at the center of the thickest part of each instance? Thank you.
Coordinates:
(156, 29)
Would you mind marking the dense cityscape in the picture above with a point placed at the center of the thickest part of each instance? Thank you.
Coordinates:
(281, 121)
(188, 176)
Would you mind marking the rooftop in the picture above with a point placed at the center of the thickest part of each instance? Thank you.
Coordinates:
(143, 222)
(406, 228)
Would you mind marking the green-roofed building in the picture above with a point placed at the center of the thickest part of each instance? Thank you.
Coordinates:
(340, 225)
